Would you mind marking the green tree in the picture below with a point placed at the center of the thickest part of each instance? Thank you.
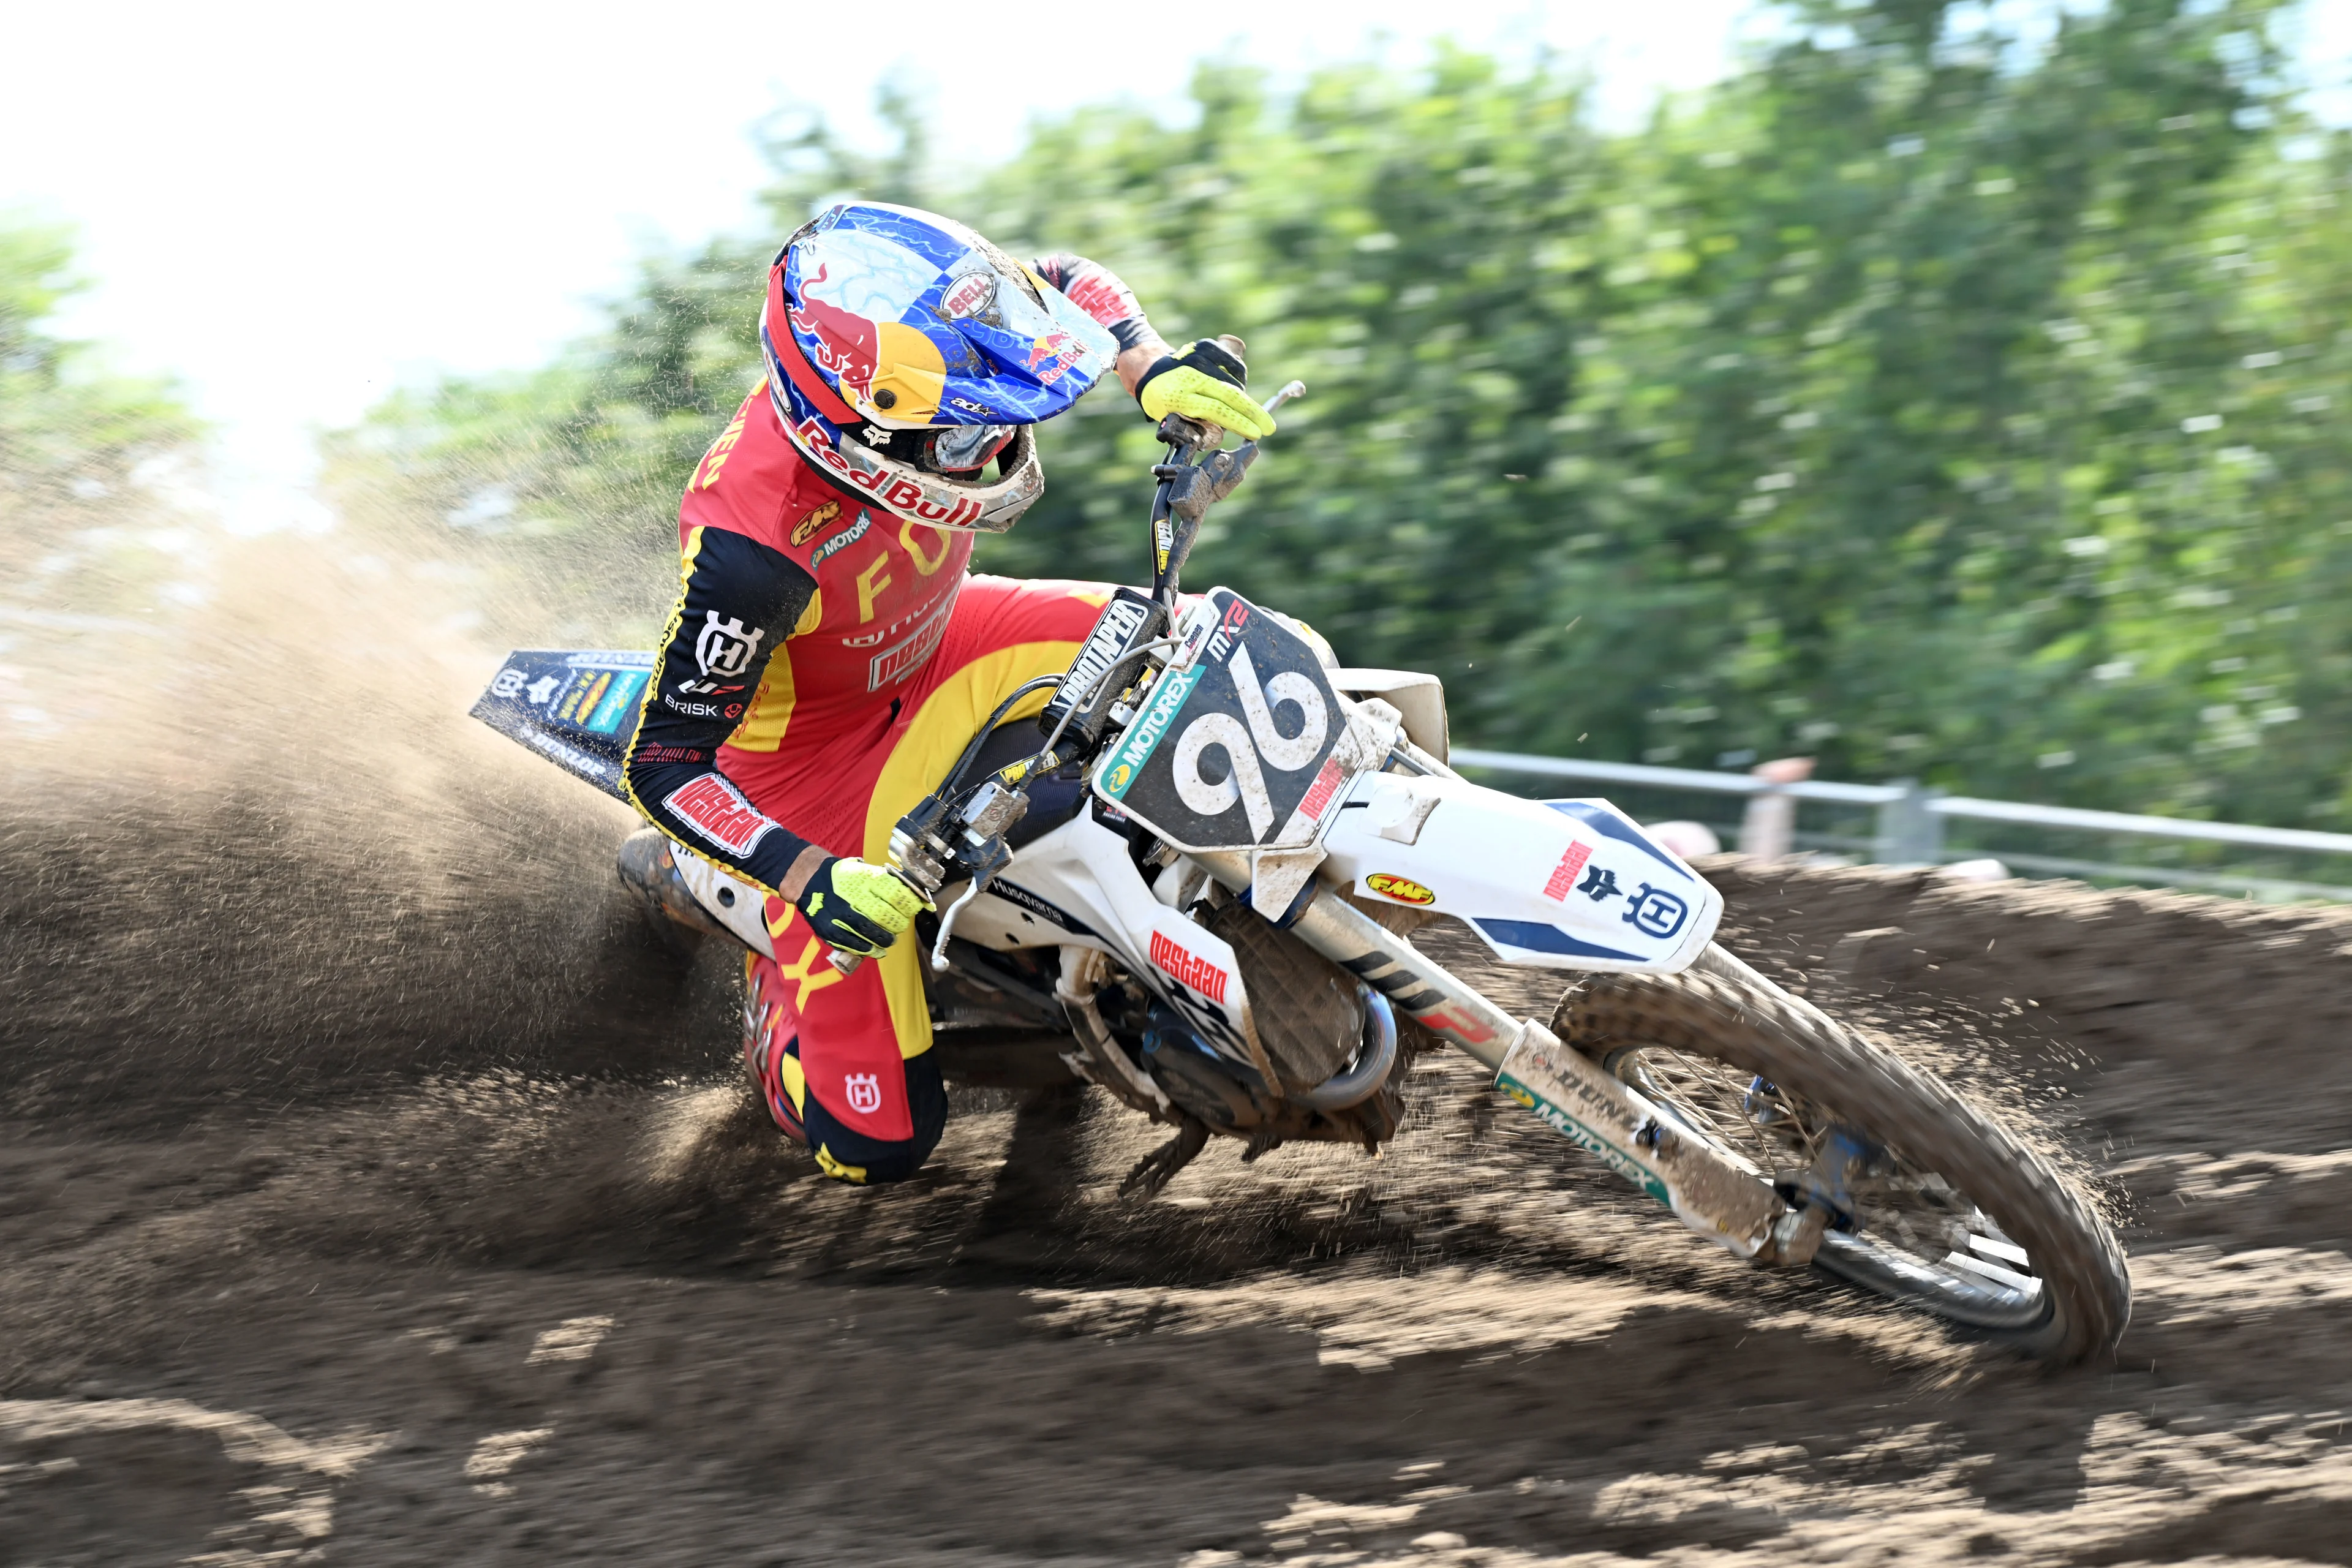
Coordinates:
(1913, 398)
(73, 437)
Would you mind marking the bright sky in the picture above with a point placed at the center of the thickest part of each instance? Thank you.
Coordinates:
(295, 207)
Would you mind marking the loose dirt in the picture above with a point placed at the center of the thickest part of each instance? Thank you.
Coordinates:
(374, 1188)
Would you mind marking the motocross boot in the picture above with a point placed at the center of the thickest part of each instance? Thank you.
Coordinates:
(771, 1047)
(647, 869)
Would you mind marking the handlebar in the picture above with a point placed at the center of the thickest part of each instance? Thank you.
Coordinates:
(1206, 474)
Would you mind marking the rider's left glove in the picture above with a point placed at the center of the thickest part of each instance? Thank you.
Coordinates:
(858, 907)
(1204, 380)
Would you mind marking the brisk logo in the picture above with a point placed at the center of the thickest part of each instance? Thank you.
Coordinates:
(1187, 969)
(1563, 876)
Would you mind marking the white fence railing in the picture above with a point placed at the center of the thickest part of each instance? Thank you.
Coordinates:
(1910, 824)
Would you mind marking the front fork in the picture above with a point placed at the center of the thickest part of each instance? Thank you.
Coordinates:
(1567, 1089)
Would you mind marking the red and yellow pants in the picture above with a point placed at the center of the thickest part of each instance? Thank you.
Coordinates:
(845, 1061)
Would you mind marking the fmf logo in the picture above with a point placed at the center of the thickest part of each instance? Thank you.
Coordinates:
(814, 520)
(1402, 889)
(1564, 875)
(1187, 969)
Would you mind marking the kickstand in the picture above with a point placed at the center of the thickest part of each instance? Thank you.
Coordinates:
(1159, 1168)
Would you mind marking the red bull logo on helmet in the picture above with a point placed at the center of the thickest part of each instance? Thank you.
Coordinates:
(1056, 352)
(898, 492)
(848, 344)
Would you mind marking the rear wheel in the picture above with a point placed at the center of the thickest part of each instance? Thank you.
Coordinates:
(1925, 1199)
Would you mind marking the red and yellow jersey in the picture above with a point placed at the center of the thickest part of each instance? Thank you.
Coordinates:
(880, 589)
(805, 618)
(801, 613)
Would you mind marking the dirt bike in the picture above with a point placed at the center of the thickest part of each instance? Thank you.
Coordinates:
(1193, 881)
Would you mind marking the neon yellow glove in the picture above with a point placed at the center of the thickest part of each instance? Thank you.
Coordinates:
(857, 907)
(1206, 381)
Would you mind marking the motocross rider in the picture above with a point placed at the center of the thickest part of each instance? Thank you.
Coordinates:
(830, 656)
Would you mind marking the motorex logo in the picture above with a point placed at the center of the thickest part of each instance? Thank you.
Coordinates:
(1149, 730)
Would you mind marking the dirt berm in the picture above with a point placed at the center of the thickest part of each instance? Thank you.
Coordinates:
(375, 1210)
(375, 1189)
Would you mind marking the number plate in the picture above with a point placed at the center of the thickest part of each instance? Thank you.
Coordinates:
(1233, 751)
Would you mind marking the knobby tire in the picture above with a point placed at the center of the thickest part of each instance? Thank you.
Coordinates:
(1722, 1009)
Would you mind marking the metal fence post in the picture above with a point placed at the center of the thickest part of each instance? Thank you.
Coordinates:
(1909, 833)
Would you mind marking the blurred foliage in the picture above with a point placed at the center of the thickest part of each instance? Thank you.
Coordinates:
(1915, 399)
(73, 439)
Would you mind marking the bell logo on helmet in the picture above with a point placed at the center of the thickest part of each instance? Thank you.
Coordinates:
(968, 296)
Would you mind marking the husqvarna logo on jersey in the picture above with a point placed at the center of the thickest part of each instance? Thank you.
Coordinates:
(725, 647)
(865, 1091)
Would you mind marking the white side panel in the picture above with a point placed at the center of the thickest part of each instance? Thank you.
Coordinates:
(1077, 885)
(1561, 884)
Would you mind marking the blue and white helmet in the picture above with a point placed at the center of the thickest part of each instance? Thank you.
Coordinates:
(905, 354)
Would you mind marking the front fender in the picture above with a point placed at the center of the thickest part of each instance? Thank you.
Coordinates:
(1556, 884)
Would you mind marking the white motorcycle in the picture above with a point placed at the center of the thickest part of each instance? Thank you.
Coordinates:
(1194, 883)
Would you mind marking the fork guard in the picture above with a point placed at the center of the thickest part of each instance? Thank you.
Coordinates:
(1566, 1089)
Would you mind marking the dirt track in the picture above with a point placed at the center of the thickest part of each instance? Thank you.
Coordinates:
(384, 1194)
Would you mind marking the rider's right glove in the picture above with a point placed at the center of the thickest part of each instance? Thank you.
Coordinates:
(856, 908)
(1204, 380)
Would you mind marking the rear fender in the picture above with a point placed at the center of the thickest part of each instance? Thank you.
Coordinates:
(1555, 884)
(577, 709)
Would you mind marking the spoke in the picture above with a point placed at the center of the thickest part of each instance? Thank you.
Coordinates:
(2010, 1278)
(2008, 1252)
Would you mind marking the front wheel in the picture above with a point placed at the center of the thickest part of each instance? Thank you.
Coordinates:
(1914, 1193)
